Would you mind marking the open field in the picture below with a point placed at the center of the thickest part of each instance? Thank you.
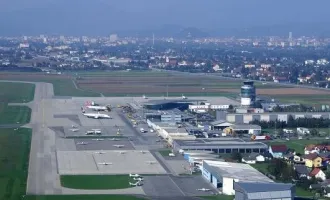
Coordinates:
(123, 83)
(96, 182)
(14, 114)
(81, 197)
(14, 156)
(16, 92)
(63, 84)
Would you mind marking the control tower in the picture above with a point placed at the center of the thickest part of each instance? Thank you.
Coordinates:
(248, 93)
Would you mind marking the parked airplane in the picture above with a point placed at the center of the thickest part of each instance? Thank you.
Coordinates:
(122, 152)
(145, 97)
(82, 143)
(73, 126)
(143, 152)
(183, 97)
(98, 139)
(99, 152)
(93, 132)
(104, 163)
(204, 189)
(151, 162)
(92, 105)
(136, 184)
(118, 145)
(97, 115)
(74, 129)
(134, 175)
(138, 179)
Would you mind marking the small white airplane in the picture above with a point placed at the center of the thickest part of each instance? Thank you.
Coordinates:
(74, 129)
(114, 139)
(97, 115)
(98, 139)
(74, 126)
(145, 97)
(134, 175)
(204, 189)
(104, 163)
(118, 145)
(135, 184)
(183, 97)
(151, 162)
(138, 179)
(143, 152)
(91, 105)
(82, 143)
(122, 152)
(99, 152)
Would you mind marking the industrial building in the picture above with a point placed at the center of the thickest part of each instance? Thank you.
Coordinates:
(243, 129)
(223, 175)
(245, 118)
(220, 145)
(167, 104)
(262, 191)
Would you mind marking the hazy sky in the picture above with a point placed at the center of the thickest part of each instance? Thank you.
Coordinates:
(102, 17)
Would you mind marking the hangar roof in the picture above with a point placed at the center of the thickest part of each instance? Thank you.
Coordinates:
(238, 171)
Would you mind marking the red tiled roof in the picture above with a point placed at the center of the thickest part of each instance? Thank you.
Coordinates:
(311, 156)
(279, 148)
(314, 172)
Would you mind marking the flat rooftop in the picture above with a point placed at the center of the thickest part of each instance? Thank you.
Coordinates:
(121, 162)
(219, 143)
(242, 172)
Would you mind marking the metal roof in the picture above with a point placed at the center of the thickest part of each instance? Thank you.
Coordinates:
(165, 101)
(263, 187)
(216, 144)
(245, 126)
(237, 171)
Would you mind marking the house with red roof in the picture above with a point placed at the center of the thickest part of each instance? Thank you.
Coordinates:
(278, 151)
(318, 174)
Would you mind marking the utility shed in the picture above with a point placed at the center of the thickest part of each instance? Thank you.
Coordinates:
(263, 191)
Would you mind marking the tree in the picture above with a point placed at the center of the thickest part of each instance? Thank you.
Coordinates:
(236, 156)
(314, 132)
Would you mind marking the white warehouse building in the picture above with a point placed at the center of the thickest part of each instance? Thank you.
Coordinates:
(223, 175)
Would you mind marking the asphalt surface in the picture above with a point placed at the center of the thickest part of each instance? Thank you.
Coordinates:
(50, 118)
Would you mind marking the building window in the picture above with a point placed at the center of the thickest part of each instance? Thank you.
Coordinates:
(242, 150)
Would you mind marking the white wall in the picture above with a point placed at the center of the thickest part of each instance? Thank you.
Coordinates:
(206, 175)
(214, 181)
(228, 186)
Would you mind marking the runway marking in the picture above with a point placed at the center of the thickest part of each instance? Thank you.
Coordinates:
(95, 163)
(177, 186)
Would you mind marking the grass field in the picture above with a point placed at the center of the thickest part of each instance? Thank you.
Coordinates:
(81, 197)
(96, 182)
(14, 158)
(14, 114)
(16, 92)
(219, 197)
(165, 152)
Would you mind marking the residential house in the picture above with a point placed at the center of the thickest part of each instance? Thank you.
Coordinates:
(325, 158)
(318, 174)
(301, 171)
(311, 149)
(253, 158)
(267, 155)
(297, 159)
(278, 151)
(313, 160)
